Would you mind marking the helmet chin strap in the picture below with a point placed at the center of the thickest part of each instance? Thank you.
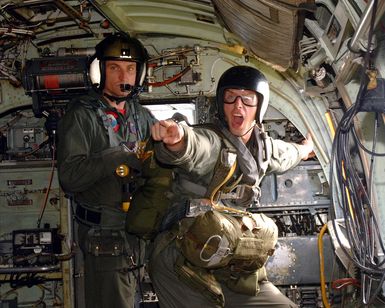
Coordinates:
(248, 130)
(117, 99)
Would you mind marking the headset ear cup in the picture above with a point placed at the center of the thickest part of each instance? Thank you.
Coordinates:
(142, 73)
(102, 70)
(95, 73)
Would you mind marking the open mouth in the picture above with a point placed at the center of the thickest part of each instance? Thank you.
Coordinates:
(237, 120)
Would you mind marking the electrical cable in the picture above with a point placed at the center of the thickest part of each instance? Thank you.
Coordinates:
(42, 210)
(38, 148)
(362, 231)
(374, 138)
(25, 279)
(344, 282)
(171, 79)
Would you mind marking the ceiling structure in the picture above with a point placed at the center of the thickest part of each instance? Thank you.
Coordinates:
(262, 29)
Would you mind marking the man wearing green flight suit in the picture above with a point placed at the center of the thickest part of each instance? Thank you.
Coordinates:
(99, 132)
(213, 254)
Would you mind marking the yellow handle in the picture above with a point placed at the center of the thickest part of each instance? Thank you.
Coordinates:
(125, 206)
(122, 171)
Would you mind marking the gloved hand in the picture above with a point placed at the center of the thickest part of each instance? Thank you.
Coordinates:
(115, 156)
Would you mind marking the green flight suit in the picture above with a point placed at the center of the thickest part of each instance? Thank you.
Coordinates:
(196, 163)
(88, 150)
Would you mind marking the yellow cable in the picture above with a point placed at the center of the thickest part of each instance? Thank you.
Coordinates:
(330, 123)
(322, 268)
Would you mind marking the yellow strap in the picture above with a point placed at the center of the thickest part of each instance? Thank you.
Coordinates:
(372, 84)
(222, 208)
(228, 176)
(141, 153)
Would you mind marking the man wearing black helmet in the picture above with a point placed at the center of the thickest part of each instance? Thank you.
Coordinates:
(99, 132)
(213, 254)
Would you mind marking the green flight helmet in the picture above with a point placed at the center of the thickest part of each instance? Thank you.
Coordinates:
(247, 78)
(119, 46)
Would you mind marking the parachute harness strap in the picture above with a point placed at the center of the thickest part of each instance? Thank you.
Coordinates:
(221, 208)
(216, 189)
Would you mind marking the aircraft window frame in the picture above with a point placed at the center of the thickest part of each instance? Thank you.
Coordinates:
(166, 111)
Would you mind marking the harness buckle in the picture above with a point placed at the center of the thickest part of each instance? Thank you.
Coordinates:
(198, 206)
(236, 194)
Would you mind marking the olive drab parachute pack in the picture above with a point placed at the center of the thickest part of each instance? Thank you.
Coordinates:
(241, 242)
(150, 202)
(221, 248)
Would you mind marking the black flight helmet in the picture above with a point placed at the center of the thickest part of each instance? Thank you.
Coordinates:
(119, 46)
(247, 78)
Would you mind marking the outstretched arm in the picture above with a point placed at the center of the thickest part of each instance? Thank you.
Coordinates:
(307, 147)
(170, 133)
(286, 155)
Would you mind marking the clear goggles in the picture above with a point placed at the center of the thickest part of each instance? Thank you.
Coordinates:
(249, 100)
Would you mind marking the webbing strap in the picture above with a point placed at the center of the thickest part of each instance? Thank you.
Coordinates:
(103, 217)
(87, 215)
(245, 159)
(264, 151)
(221, 172)
(192, 187)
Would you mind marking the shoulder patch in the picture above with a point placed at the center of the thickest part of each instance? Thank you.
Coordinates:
(112, 118)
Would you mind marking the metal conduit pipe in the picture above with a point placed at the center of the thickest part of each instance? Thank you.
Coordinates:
(31, 269)
(364, 24)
